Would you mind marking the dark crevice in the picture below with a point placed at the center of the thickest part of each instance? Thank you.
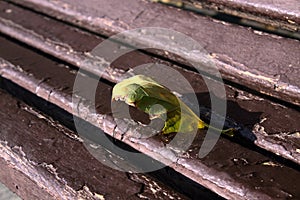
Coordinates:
(55, 59)
(232, 19)
(38, 51)
(238, 139)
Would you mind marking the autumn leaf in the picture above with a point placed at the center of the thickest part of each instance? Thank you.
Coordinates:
(158, 101)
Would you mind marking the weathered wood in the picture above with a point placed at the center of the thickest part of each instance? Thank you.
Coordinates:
(41, 159)
(235, 174)
(287, 11)
(57, 88)
(263, 62)
(72, 45)
(272, 14)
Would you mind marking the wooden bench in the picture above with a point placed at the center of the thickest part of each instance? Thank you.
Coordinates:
(42, 155)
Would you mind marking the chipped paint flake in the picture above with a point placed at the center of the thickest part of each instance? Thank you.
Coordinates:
(271, 164)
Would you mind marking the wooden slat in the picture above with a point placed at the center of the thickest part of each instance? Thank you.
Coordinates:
(288, 11)
(270, 14)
